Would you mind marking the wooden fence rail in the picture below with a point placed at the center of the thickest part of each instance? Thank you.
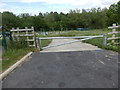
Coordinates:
(28, 33)
(113, 33)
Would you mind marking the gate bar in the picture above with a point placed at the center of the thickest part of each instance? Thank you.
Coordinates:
(71, 37)
(71, 42)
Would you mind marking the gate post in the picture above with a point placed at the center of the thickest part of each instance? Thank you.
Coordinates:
(104, 39)
(11, 36)
(4, 41)
(39, 44)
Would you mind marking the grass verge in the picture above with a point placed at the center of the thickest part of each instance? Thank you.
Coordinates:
(15, 51)
(12, 56)
(46, 42)
(99, 42)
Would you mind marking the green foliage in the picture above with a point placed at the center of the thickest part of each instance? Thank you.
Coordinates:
(17, 44)
(10, 20)
(94, 18)
(46, 42)
(99, 42)
(113, 14)
(12, 56)
(118, 13)
(16, 50)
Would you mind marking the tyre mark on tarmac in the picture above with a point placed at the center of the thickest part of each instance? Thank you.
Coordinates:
(101, 61)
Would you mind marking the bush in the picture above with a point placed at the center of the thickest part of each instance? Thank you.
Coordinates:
(18, 44)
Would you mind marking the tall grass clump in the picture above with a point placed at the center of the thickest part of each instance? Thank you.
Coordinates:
(15, 51)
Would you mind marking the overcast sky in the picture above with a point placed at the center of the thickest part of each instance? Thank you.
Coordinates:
(36, 6)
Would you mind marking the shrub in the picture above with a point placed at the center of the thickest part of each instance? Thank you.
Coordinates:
(18, 44)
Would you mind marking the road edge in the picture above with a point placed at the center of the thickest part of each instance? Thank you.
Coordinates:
(6, 72)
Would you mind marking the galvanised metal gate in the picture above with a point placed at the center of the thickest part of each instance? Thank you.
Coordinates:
(73, 41)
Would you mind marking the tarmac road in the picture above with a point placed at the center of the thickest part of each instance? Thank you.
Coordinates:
(77, 69)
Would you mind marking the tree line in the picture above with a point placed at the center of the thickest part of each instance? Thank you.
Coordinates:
(94, 18)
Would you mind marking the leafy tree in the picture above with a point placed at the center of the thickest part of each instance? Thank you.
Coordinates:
(118, 14)
(38, 23)
(112, 14)
(10, 20)
(88, 18)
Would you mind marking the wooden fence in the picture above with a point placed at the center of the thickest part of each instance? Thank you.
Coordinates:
(114, 33)
(29, 34)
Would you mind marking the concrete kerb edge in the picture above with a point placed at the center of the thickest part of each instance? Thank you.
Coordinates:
(5, 73)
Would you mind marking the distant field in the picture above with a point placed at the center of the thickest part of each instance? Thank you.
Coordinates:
(80, 33)
(84, 33)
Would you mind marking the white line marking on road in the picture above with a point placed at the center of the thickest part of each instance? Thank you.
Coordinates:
(101, 61)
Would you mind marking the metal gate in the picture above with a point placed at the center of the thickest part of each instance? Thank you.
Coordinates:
(76, 37)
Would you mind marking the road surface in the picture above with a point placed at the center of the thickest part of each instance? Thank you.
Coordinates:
(76, 69)
(76, 65)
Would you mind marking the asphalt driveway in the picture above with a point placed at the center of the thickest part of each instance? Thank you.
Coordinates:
(79, 69)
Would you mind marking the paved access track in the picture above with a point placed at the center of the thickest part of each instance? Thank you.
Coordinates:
(77, 46)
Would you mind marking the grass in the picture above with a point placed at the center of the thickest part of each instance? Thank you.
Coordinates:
(12, 56)
(78, 33)
(81, 33)
(46, 42)
(15, 51)
(99, 42)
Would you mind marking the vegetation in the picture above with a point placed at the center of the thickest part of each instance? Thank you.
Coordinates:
(94, 18)
(12, 56)
(46, 42)
(84, 33)
(99, 42)
(15, 51)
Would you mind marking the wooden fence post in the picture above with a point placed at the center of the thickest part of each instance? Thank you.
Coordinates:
(34, 36)
(18, 34)
(113, 30)
(13, 34)
(27, 34)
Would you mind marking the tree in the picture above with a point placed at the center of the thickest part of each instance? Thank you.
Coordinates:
(10, 20)
(89, 18)
(118, 14)
(112, 14)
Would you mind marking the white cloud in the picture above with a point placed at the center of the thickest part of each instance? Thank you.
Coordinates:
(65, 6)
(96, 3)
(72, 2)
(30, 1)
(77, 3)
(2, 5)
(51, 1)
